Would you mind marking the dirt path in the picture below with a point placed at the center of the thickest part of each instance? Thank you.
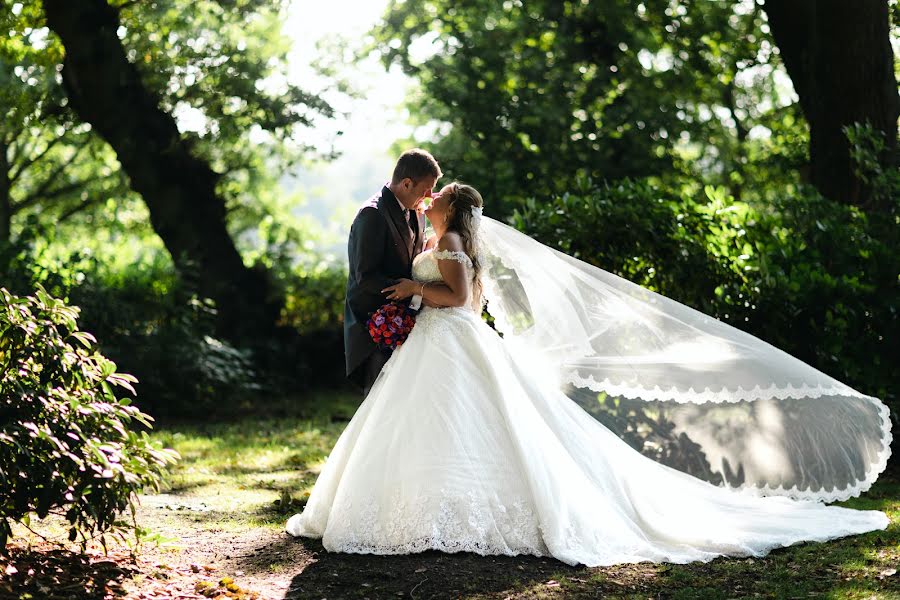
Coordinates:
(274, 565)
(194, 552)
(199, 555)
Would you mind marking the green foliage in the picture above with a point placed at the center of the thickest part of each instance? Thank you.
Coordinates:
(66, 441)
(222, 67)
(829, 289)
(530, 95)
(153, 326)
(645, 233)
(56, 167)
(813, 277)
(875, 164)
(315, 299)
(167, 338)
(312, 286)
(218, 67)
(147, 321)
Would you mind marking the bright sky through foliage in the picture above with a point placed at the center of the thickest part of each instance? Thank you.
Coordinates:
(375, 119)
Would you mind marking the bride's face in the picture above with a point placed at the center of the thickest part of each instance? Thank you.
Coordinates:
(437, 210)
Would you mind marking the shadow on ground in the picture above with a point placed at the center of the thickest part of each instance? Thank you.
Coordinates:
(46, 572)
(842, 569)
(426, 575)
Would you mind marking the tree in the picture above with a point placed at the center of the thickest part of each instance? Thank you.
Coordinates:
(106, 90)
(185, 196)
(50, 165)
(840, 60)
(221, 62)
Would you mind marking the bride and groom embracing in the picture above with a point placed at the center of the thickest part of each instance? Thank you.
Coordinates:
(480, 439)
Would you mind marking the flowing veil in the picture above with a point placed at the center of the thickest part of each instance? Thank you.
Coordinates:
(680, 386)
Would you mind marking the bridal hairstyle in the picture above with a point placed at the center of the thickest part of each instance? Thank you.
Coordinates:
(416, 164)
(463, 198)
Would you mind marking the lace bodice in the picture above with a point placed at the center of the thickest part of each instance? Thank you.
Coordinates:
(425, 265)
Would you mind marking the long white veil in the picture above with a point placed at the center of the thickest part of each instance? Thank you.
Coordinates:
(680, 386)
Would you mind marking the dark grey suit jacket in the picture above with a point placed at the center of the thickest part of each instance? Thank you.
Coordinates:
(380, 252)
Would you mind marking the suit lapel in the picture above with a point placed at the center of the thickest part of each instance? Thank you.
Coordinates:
(388, 206)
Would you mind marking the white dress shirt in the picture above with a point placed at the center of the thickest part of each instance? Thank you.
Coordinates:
(416, 301)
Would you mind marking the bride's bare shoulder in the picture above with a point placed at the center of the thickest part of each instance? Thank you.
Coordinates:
(450, 241)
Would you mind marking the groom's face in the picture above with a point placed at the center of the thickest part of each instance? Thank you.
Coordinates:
(417, 191)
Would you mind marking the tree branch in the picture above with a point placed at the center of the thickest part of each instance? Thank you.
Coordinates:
(42, 189)
(74, 210)
(34, 198)
(28, 162)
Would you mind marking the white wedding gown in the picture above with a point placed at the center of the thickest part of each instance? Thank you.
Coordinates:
(466, 443)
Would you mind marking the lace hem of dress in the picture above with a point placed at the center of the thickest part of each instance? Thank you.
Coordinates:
(436, 543)
(446, 519)
(852, 490)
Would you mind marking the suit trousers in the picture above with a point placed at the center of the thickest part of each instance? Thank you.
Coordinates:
(372, 368)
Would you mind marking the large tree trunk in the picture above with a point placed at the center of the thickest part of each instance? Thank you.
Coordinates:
(178, 188)
(839, 57)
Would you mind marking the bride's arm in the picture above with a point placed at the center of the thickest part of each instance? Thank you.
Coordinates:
(456, 287)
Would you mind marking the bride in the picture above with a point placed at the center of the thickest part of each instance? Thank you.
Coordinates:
(469, 441)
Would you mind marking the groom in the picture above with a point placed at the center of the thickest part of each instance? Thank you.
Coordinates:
(386, 235)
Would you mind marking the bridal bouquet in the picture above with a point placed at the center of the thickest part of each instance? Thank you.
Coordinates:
(390, 324)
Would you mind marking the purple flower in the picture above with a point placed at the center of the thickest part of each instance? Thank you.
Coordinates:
(389, 325)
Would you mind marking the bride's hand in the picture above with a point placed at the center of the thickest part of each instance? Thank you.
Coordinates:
(404, 288)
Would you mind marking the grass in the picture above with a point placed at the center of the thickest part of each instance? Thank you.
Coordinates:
(252, 472)
(228, 498)
(245, 470)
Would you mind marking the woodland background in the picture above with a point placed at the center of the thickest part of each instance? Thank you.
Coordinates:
(157, 173)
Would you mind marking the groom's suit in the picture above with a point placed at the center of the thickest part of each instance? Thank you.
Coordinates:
(381, 249)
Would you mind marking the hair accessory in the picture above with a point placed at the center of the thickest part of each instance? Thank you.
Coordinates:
(477, 211)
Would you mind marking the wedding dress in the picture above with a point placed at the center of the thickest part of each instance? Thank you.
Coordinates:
(468, 440)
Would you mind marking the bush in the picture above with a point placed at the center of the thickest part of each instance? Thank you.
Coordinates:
(146, 320)
(668, 242)
(66, 441)
(166, 336)
(153, 325)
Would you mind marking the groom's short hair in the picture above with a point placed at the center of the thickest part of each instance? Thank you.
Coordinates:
(416, 164)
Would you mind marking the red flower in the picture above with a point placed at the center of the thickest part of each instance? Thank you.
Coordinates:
(384, 329)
